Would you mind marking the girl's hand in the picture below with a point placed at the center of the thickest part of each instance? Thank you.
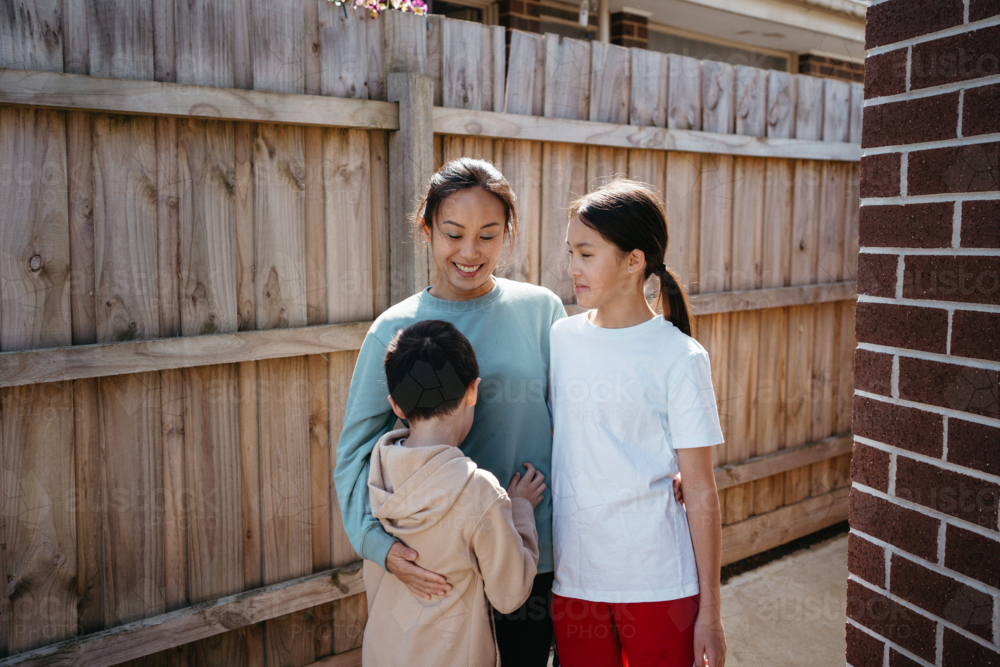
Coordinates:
(529, 486)
(678, 490)
(422, 583)
(709, 641)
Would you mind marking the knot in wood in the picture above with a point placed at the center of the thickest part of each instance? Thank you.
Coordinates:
(35, 263)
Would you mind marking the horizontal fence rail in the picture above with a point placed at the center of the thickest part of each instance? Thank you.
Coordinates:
(153, 98)
(463, 122)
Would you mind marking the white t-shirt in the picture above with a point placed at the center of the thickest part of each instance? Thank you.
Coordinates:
(622, 401)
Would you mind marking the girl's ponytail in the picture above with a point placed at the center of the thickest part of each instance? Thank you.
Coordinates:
(674, 300)
(629, 215)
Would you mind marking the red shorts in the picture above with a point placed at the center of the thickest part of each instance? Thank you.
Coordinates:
(640, 634)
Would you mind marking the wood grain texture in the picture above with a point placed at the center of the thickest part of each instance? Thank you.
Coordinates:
(648, 93)
(168, 228)
(121, 39)
(524, 92)
(278, 47)
(435, 30)
(31, 35)
(349, 271)
(771, 397)
(523, 170)
(243, 226)
(146, 98)
(35, 265)
(204, 43)
(379, 167)
(751, 101)
(781, 103)
(175, 628)
(610, 83)
(684, 93)
(352, 48)
(405, 43)
(857, 105)
(683, 208)
(808, 107)
(565, 179)
(498, 47)
(718, 93)
(462, 84)
(487, 124)
(567, 78)
(836, 110)
(124, 154)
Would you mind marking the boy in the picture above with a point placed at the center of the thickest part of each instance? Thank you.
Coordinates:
(455, 515)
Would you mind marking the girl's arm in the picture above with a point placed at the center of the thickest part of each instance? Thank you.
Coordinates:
(705, 522)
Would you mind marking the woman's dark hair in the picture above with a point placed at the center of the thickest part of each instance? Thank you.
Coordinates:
(429, 367)
(630, 216)
(461, 174)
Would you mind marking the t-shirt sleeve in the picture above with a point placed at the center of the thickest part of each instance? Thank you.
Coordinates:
(692, 415)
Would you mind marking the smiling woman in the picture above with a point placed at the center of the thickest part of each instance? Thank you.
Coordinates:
(466, 216)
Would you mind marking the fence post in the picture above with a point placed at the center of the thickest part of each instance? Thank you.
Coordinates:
(411, 164)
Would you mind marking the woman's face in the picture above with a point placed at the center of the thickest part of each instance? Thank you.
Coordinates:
(467, 241)
(600, 271)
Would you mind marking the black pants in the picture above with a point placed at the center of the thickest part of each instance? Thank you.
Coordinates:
(524, 638)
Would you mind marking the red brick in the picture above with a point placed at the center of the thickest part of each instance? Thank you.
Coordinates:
(907, 225)
(911, 122)
(961, 651)
(962, 496)
(971, 168)
(974, 555)
(975, 446)
(981, 110)
(905, 627)
(885, 74)
(980, 224)
(975, 335)
(877, 274)
(533, 9)
(897, 20)
(897, 659)
(969, 279)
(911, 327)
(907, 428)
(983, 9)
(866, 560)
(863, 650)
(870, 466)
(911, 531)
(969, 55)
(953, 386)
(944, 597)
(880, 175)
(873, 372)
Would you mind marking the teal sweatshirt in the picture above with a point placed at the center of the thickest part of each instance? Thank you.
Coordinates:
(509, 330)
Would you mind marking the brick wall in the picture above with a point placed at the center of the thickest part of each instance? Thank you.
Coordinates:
(520, 15)
(831, 68)
(629, 29)
(924, 548)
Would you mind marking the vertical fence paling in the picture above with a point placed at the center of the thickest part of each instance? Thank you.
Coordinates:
(152, 227)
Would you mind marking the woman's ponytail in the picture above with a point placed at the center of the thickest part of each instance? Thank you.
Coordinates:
(629, 215)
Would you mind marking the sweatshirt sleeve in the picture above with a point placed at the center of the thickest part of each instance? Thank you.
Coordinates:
(367, 418)
(506, 546)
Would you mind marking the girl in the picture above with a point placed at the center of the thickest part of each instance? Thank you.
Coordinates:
(466, 216)
(637, 578)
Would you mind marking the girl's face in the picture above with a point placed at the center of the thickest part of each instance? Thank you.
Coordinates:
(467, 241)
(600, 271)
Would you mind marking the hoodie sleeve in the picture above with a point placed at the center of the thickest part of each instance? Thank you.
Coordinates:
(505, 544)
(367, 417)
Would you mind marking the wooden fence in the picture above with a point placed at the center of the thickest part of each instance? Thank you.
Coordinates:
(202, 209)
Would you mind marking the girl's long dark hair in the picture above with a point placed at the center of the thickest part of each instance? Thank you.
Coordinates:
(461, 174)
(629, 215)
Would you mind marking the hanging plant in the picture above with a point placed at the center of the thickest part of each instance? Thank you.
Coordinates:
(376, 7)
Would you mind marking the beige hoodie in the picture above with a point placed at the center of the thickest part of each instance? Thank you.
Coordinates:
(466, 528)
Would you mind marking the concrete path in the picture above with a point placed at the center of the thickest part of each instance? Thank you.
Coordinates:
(790, 612)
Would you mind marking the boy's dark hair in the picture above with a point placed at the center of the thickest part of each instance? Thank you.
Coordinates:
(429, 367)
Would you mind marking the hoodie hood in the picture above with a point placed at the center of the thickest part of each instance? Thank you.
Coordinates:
(412, 489)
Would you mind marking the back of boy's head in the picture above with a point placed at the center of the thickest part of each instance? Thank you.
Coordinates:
(429, 366)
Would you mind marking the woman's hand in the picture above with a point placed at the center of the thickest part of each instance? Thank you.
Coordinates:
(709, 640)
(422, 583)
(529, 486)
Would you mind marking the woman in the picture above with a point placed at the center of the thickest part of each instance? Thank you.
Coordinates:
(466, 216)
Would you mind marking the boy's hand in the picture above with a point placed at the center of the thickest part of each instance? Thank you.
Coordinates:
(422, 583)
(529, 486)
